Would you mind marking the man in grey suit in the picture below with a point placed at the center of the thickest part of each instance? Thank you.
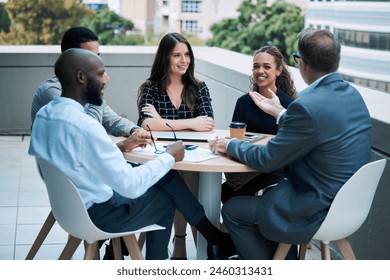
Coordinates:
(324, 138)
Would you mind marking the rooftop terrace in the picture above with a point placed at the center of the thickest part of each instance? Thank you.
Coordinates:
(23, 201)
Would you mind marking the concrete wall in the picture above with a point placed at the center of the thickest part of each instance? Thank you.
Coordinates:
(226, 73)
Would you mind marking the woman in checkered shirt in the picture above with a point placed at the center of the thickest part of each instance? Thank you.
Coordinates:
(172, 95)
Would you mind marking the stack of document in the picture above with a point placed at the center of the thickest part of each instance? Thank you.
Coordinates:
(196, 155)
(189, 136)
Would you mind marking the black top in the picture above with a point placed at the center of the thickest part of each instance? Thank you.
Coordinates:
(152, 94)
(255, 119)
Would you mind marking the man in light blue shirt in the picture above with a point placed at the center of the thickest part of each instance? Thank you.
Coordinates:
(118, 197)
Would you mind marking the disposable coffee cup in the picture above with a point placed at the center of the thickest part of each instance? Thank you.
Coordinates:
(237, 130)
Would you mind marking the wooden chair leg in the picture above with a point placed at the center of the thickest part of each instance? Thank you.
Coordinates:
(97, 253)
(70, 248)
(281, 251)
(141, 240)
(47, 226)
(90, 250)
(325, 251)
(133, 247)
(302, 251)
(346, 249)
(117, 249)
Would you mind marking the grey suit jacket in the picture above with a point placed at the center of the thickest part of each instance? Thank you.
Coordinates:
(324, 138)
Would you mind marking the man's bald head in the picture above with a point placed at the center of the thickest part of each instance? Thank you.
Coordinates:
(81, 74)
(71, 62)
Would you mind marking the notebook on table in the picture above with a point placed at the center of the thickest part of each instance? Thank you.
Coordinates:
(184, 136)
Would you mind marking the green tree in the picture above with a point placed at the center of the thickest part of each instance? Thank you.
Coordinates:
(4, 19)
(41, 22)
(112, 29)
(259, 24)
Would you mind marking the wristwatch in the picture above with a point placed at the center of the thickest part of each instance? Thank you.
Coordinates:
(133, 129)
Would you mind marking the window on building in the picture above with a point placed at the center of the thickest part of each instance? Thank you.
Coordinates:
(360, 0)
(96, 7)
(188, 6)
(165, 21)
(363, 39)
(191, 26)
(379, 85)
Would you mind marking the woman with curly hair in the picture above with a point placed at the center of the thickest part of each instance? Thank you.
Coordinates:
(269, 73)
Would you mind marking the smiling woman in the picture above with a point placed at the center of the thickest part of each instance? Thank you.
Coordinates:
(270, 76)
(172, 98)
(172, 94)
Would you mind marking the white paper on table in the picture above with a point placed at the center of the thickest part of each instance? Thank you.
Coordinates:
(196, 155)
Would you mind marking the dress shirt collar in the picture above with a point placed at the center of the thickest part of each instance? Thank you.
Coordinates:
(69, 101)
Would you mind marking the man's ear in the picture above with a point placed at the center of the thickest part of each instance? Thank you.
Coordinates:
(81, 77)
(303, 65)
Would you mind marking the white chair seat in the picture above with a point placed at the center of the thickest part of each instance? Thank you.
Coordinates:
(70, 213)
(347, 213)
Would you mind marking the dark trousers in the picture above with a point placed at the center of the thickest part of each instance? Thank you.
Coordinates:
(156, 206)
(241, 219)
(258, 183)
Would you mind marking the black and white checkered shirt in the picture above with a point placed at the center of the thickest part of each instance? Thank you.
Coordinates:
(160, 100)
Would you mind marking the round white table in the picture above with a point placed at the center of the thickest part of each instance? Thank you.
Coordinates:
(210, 180)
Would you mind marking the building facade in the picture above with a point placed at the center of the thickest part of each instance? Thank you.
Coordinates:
(95, 4)
(363, 28)
(193, 16)
(184, 16)
(140, 12)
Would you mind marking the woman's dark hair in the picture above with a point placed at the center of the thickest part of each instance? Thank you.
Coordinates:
(74, 36)
(160, 70)
(283, 81)
(319, 49)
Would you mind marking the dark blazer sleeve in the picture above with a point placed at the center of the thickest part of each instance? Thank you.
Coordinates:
(295, 138)
(281, 120)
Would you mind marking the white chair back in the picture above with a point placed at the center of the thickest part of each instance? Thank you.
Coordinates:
(68, 207)
(352, 203)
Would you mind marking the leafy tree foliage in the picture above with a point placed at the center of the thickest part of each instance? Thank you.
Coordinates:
(259, 24)
(41, 22)
(112, 29)
(4, 19)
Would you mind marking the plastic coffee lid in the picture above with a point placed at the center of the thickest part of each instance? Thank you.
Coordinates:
(237, 125)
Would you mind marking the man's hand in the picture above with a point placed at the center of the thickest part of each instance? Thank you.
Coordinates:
(176, 150)
(271, 105)
(218, 146)
(139, 138)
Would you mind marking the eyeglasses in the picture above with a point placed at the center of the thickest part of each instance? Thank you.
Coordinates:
(296, 57)
(174, 133)
(186, 147)
(156, 151)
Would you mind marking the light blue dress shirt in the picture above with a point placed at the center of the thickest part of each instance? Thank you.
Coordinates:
(79, 146)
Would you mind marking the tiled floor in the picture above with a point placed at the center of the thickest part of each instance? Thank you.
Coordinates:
(24, 207)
